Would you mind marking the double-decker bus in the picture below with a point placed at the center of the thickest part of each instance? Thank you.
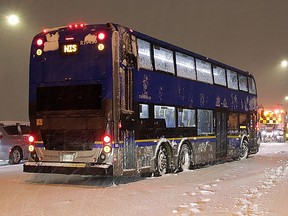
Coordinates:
(107, 100)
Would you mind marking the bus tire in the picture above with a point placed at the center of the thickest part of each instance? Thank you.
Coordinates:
(161, 167)
(185, 158)
(15, 155)
(244, 150)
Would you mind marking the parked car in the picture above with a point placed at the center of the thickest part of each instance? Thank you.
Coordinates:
(14, 141)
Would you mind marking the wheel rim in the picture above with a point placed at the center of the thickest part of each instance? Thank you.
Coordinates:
(244, 150)
(162, 161)
(16, 156)
(184, 158)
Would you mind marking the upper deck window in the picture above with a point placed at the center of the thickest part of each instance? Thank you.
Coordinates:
(251, 85)
(144, 53)
(243, 85)
(232, 79)
(185, 66)
(219, 75)
(163, 59)
(204, 71)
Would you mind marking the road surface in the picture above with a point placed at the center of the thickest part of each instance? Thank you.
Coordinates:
(256, 186)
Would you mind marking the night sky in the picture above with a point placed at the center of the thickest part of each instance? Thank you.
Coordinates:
(251, 35)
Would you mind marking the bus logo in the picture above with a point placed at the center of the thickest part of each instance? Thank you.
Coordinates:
(69, 49)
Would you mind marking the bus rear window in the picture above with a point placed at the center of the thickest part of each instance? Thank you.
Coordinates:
(82, 97)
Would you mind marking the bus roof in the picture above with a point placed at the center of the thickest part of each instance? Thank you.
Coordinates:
(148, 38)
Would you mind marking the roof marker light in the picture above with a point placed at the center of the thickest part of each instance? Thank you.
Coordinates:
(76, 26)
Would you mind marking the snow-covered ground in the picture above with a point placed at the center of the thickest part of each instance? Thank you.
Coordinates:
(256, 186)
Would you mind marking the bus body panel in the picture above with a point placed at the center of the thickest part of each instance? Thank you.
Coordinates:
(79, 97)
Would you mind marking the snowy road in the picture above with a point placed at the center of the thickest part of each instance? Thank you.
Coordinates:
(256, 186)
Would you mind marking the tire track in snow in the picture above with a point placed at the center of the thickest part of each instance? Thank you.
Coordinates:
(201, 196)
(248, 205)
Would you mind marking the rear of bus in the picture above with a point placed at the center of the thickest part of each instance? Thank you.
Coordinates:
(70, 101)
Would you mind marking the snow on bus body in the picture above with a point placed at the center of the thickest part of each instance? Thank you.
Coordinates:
(14, 141)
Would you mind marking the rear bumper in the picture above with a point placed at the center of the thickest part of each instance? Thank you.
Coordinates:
(68, 168)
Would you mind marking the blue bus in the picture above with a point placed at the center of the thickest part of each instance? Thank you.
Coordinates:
(107, 100)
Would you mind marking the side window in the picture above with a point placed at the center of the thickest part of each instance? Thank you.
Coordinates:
(186, 118)
(219, 75)
(185, 66)
(163, 59)
(11, 130)
(243, 85)
(205, 122)
(167, 113)
(25, 129)
(232, 79)
(143, 111)
(251, 85)
(243, 120)
(204, 71)
(144, 55)
(233, 124)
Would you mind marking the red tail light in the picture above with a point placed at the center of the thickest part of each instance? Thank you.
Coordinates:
(101, 36)
(31, 139)
(106, 139)
(39, 42)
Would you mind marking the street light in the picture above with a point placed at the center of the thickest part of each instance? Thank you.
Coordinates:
(284, 63)
(13, 20)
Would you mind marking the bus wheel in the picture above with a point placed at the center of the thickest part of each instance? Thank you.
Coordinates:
(161, 161)
(184, 162)
(15, 156)
(244, 150)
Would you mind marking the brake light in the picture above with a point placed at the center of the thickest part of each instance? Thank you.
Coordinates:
(39, 42)
(106, 139)
(101, 36)
(31, 139)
